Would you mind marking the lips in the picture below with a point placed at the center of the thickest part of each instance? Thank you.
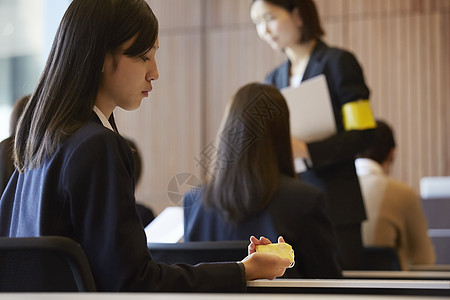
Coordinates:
(146, 92)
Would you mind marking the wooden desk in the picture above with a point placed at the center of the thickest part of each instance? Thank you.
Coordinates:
(180, 296)
(352, 286)
(437, 268)
(419, 275)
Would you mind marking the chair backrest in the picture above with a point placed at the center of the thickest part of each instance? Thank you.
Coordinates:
(381, 258)
(44, 264)
(435, 194)
(197, 252)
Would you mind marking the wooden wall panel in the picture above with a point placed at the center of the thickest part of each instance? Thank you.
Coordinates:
(399, 45)
(220, 13)
(209, 48)
(168, 126)
(178, 15)
(248, 60)
(444, 104)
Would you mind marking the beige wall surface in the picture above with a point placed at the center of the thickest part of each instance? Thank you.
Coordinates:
(209, 48)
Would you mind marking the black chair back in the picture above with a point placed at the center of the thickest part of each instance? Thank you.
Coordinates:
(44, 264)
(197, 252)
(381, 259)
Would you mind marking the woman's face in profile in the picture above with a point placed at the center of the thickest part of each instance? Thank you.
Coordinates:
(127, 80)
(275, 25)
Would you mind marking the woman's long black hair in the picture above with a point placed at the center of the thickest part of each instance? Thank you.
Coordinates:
(65, 94)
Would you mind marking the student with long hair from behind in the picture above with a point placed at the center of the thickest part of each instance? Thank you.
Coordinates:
(75, 172)
(254, 187)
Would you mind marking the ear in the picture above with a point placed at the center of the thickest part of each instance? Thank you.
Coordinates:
(295, 14)
(391, 154)
(387, 164)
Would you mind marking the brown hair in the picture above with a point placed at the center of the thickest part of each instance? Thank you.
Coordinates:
(382, 144)
(17, 111)
(254, 149)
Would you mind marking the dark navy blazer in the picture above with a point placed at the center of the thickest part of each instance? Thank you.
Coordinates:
(297, 212)
(85, 191)
(333, 168)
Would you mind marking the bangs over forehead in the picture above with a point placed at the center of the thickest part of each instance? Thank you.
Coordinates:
(134, 19)
(286, 4)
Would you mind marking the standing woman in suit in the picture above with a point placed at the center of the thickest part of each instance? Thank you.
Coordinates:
(293, 26)
(254, 187)
(75, 172)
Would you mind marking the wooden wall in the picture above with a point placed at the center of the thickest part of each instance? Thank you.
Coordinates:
(209, 48)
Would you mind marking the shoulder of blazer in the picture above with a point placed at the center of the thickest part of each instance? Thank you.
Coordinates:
(95, 136)
(279, 77)
(322, 50)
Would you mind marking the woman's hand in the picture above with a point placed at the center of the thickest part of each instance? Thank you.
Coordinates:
(262, 241)
(262, 265)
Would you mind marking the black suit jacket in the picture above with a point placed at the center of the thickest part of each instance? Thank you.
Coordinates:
(85, 191)
(297, 212)
(333, 169)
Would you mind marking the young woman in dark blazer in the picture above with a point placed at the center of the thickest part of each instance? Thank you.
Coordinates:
(75, 172)
(254, 187)
(293, 26)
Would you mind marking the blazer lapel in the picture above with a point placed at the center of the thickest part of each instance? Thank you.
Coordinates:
(315, 65)
(95, 118)
(282, 80)
(111, 120)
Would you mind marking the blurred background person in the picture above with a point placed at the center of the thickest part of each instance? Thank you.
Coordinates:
(254, 188)
(7, 145)
(395, 215)
(293, 26)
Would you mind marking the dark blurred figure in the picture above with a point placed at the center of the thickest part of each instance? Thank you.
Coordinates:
(7, 145)
(145, 213)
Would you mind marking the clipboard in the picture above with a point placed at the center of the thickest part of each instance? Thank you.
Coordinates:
(310, 109)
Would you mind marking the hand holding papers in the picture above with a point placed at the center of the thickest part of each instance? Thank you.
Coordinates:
(311, 113)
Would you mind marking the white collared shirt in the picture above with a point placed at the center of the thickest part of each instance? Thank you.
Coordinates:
(367, 166)
(102, 118)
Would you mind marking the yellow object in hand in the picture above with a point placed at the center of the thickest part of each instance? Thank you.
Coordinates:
(283, 250)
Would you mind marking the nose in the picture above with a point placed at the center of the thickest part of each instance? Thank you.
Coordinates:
(263, 29)
(152, 73)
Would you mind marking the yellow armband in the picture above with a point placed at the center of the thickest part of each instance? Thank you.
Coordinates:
(357, 115)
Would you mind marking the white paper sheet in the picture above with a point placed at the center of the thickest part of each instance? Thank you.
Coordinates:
(311, 113)
(167, 227)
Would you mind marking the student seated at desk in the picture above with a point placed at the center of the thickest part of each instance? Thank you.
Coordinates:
(254, 187)
(395, 215)
(74, 174)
